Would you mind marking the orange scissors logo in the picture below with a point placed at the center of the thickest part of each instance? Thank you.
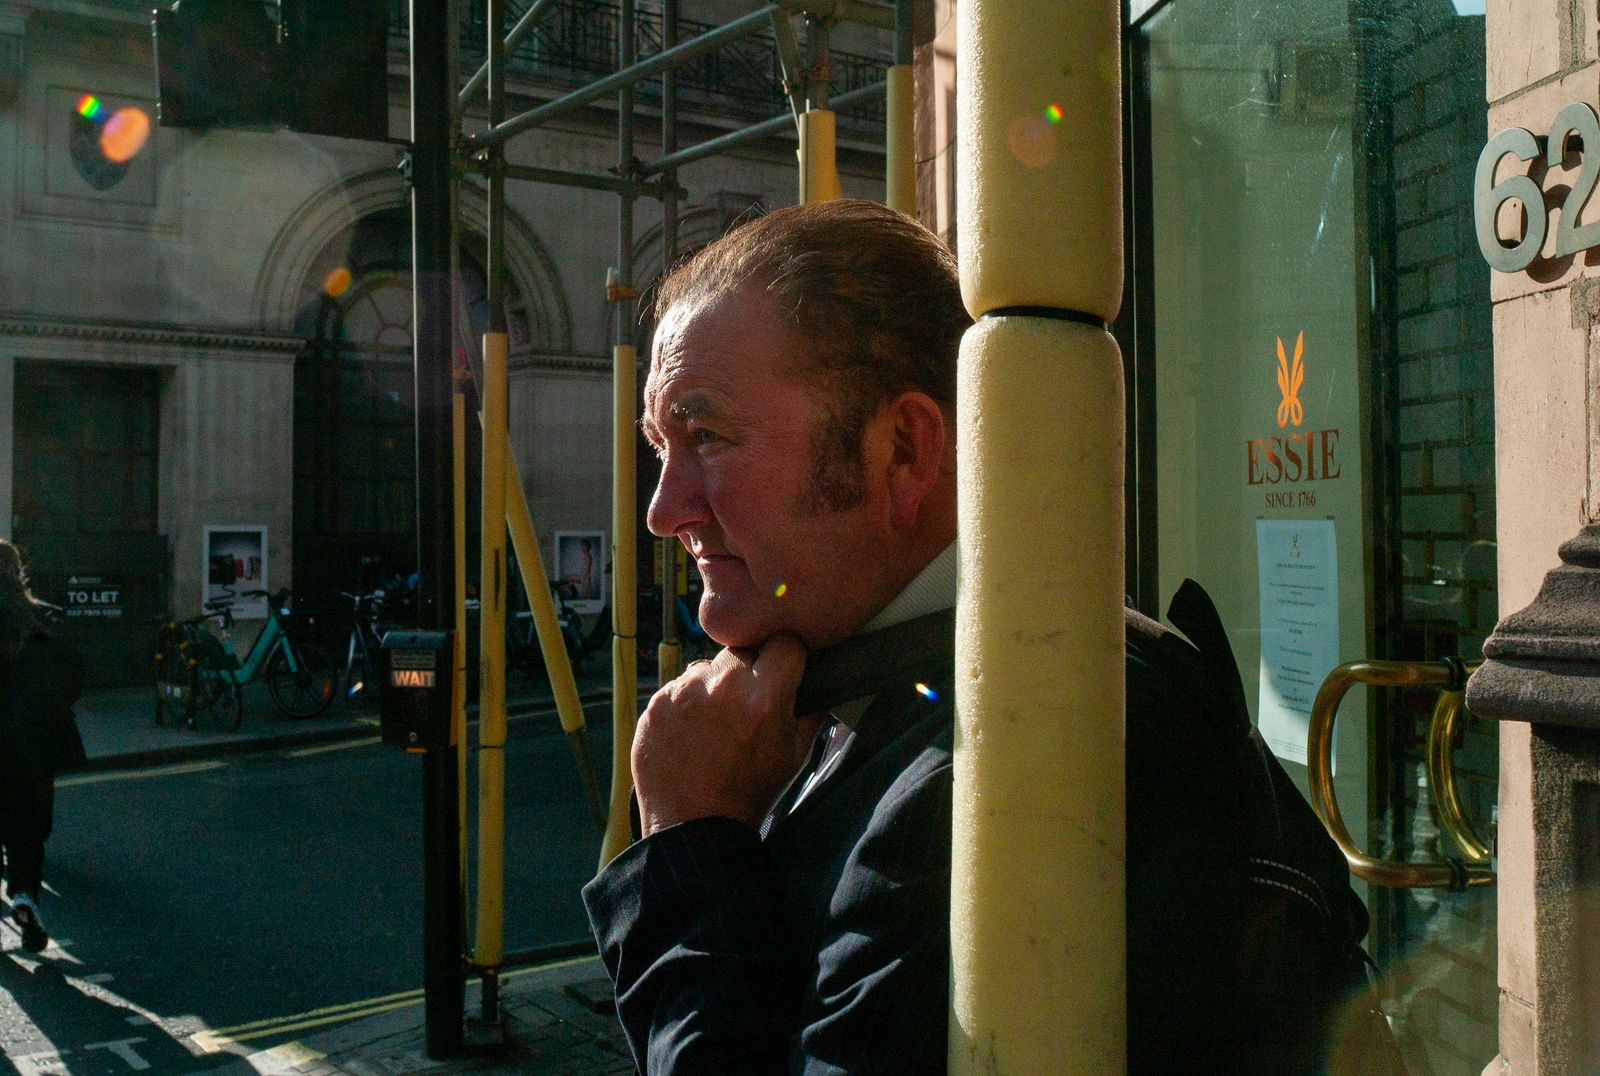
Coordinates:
(1290, 377)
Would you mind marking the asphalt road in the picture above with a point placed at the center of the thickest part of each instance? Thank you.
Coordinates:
(247, 899)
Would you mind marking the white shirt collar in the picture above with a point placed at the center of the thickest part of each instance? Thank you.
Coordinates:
(933, 589)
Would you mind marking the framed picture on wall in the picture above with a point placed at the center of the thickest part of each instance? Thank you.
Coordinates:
(581, 569)
(235, 562)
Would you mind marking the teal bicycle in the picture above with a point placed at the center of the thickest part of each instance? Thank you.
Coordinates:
(197, 671)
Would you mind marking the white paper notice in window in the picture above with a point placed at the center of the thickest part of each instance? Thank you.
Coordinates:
(1298, 570)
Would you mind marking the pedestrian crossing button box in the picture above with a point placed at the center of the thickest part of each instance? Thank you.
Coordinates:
(414, 689)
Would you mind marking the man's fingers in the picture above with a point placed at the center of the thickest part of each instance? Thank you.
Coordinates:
(779, 666)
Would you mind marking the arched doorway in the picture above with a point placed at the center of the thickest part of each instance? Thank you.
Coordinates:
(354, 493)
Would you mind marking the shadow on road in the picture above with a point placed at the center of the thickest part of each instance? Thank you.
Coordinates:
(78, 1029)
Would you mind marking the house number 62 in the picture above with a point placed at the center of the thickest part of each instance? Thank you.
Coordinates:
(1488, 196)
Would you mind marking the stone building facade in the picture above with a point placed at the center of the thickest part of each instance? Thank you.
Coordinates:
(178, 350)
(1542, 58)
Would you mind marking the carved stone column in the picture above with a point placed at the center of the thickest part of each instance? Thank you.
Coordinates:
(1543, 668)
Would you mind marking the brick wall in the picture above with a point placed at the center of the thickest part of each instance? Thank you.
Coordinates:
(1437, 349)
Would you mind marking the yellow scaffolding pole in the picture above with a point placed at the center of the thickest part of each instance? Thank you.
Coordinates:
(819, 173)
(900, 142)
(624, 618)
(1037, 916)
(547, 629)
(489, 945)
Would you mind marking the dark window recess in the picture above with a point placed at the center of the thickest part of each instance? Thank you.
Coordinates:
(84, 507)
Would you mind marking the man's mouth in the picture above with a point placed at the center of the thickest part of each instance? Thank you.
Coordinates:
(707, 555)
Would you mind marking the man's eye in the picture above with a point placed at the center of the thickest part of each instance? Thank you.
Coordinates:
(703, 436)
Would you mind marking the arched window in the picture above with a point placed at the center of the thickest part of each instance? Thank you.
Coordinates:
(354, 492)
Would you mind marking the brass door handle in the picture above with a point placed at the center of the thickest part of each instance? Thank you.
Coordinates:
(1442, 774)
(1450, 676)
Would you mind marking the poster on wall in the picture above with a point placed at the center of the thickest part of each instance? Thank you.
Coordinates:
(580, 569)
(1298, 584)
(235, 562)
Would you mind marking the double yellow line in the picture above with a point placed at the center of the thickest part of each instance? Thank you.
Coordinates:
(213, 1040)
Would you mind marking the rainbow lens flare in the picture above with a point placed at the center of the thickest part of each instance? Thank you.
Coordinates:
(1053, 113)
(336, 282)
(780, 590)
(927, 692)
(124, 134)
(89, 106)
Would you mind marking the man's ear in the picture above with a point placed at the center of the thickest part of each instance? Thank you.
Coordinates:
(920, 434)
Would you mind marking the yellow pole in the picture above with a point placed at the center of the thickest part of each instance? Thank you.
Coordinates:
(553, 648)
(819, 173)
(900, 142)
(669, 652)
(490, 943)
(624, 644)
(1037, 921)
(458, 666)
(557, 662)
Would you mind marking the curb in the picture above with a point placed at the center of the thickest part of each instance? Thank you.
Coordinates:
(278, 741)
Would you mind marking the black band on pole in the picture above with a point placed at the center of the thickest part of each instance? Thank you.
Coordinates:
(1054, 312)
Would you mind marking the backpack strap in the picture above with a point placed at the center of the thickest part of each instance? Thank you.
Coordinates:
(921, 648)
(1194, 613)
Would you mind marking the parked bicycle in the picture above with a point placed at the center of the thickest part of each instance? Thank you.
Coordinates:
(197, 669)
(522, 643)
(182, 690)
(361, 652)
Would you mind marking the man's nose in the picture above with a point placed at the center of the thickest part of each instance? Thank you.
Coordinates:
(678, 501)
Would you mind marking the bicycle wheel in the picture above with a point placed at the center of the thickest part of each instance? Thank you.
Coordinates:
(302, 692)
(361, 672)
(171, 676)
(227, 703)
(203, 692)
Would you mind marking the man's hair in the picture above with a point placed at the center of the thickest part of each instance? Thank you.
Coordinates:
(874, 305)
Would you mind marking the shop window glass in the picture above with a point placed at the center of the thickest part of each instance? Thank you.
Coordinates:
(1323, 451)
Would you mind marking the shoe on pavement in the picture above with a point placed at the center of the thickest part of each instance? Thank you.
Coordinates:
(26, 915)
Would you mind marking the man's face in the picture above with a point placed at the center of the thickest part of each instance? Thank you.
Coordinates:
(733, 425)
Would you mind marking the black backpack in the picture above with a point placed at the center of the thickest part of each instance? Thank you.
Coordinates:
(1244, 935)
(53, 668)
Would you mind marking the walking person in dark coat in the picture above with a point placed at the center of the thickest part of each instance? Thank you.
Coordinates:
(40, 677)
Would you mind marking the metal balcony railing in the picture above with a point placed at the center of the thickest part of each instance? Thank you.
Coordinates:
(576, 42)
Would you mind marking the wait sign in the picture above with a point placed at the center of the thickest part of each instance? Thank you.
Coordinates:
(93, 596)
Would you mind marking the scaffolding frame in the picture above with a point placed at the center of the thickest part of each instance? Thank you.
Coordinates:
(440, 151)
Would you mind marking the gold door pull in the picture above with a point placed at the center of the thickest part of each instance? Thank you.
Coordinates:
(1442, 772)
(1449, 676)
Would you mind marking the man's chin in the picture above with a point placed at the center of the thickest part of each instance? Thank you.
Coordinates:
(726, 624)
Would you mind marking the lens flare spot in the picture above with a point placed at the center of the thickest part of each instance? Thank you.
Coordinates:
(337, 282)
(124, 134)
(927, 692)
(1032, 141)
(89, 106)
(1053, 113)
(780, 590)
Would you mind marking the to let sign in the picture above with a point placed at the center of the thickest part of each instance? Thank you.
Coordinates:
(93, 596)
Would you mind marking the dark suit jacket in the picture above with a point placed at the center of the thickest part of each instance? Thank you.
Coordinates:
(823, 948)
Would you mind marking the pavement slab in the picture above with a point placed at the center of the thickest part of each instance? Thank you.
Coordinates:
(548, 1032)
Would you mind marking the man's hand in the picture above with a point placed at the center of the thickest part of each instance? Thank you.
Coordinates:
(723, 739)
